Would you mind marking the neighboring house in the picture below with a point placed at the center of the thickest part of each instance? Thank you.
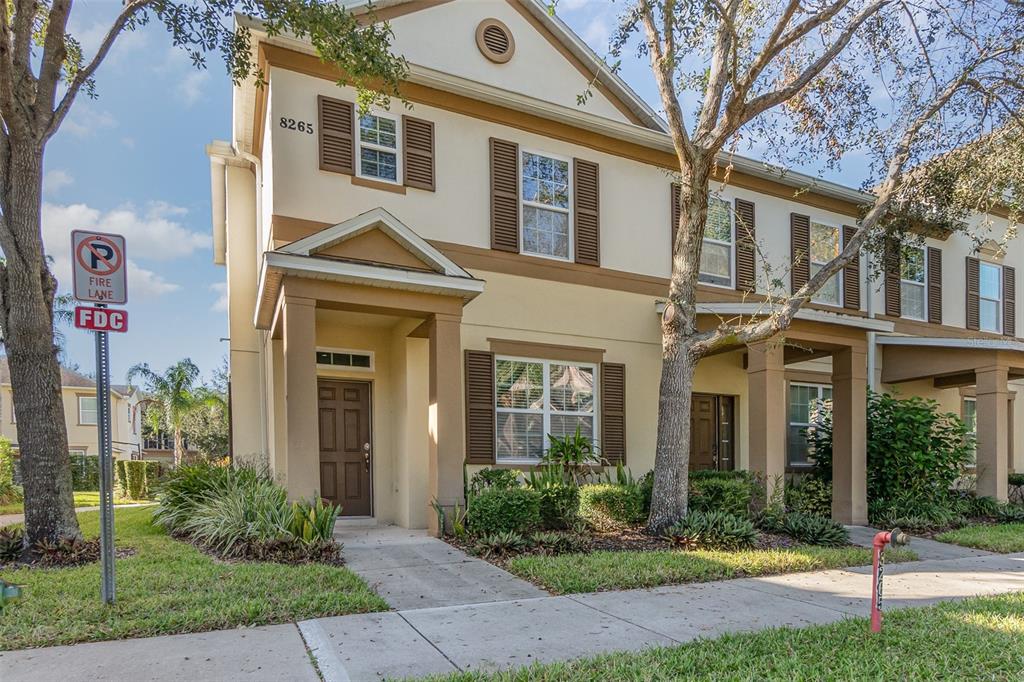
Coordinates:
(418, 288)
(80, 414)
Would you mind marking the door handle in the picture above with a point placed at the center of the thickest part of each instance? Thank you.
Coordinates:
(366, 455)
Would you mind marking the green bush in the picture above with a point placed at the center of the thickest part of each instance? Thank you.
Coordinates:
(712, 530)
(312, 521)
(85, 472)
(726, 491)
(1016, 479)
(185, 487)
(607, 505)
(9, 493)
(984, 506)
(120, 480)
(497, 479)
(500, 544)
(815, 530)
(500, 510)
(559, 506)
(240, 515)
(810, 496)
(909, 513)
(137, 479)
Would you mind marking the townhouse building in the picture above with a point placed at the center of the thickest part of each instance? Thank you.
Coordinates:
(429, 289)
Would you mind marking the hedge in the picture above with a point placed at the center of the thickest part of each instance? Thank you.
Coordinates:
(606, 505)
(499, 510)
(136, 479)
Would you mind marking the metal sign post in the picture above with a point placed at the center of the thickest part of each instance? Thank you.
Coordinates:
(99, 275)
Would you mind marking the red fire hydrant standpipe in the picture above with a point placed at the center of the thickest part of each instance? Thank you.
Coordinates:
(886, 537)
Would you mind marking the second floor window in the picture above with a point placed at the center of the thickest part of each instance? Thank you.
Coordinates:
(825, 248)
(716, 251)
(378, 147)
(87, 410)
(990, 297)
(913, 292)
(546, 197)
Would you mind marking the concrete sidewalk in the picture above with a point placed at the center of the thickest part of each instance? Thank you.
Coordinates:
(496, 635)
(924, 548)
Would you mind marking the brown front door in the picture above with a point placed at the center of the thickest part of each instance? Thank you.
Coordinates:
(345, 446)
(711, 432)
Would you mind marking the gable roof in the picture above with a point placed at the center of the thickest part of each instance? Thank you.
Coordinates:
(69, 378)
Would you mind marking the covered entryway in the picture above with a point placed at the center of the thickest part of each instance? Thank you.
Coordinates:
(345, 445)
(711, 432)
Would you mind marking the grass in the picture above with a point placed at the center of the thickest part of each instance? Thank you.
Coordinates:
(598, 571)
(170, 587)
(88, 498)
(977, 639)
(1005, 537)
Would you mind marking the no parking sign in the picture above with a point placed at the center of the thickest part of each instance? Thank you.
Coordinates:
(99, 265)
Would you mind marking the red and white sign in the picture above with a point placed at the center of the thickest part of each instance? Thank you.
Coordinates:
(99, 267)
(101, 319)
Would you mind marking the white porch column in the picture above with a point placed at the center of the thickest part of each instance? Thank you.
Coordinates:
(447, 453)
(766, 379)
(849, 436)
(993, 431)
(302, 457)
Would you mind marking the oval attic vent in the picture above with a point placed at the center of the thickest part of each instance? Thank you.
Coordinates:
(495, 41)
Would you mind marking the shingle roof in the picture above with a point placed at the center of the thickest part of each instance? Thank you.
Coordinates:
(69, 378)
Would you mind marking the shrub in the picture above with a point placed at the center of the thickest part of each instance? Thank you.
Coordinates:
(1011, 513)
(12, 544)
(188, 485)
(1016, 479)
(242, 514)
(983, 506)
(607, 506)
(497, 479)
(712, 530)
(573, 451)
(810, 496)
(313, 521)
(726, 491)
(140, 478)
(646, 491)
(500, 544)
(559, 496)
(85, 472)
(66, 552)
(504, 510)
(815, 530)
(909, 513)
(9, 493)
(558, 542)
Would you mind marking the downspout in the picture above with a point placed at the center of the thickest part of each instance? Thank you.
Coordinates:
(872, 336)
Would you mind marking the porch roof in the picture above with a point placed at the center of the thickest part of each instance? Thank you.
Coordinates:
(948, 362)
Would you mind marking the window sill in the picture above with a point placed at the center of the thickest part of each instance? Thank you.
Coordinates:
(378, 184)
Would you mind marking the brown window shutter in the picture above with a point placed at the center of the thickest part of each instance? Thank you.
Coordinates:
(851, 273)
(799, 250)
(1009, 301)
(934, 285)
(587, 211)
(418, 147)
(746, 248)
(613, 412)
(973, 294)
(479, 407)
(891, 267)
(504, 195)
(676, 210)
(337, 135)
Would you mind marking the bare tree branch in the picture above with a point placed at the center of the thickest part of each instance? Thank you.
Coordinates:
(52, 62)
(663, 65)
(715, 90)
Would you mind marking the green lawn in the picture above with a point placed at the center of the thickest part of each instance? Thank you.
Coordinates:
(1006, 537)
(571, 573)
(170, 587)
(979, 639)
(89, 498)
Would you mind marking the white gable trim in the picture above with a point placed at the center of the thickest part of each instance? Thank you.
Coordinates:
(380, 219)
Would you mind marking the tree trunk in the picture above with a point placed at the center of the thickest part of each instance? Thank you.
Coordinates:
(679, 324)
(179, 447)
(27, 323)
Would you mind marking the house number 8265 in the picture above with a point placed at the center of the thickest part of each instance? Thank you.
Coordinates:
(292, 124)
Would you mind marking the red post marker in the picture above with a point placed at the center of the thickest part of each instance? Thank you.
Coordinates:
(101, 319)
(893, 537)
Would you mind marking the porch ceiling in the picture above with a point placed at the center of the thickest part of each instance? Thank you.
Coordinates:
(947, 362)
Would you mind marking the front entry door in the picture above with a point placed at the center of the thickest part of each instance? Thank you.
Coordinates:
(345, 446)
(711, 432)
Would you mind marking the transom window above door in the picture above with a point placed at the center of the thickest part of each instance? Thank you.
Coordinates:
(535, 398)
(546, 198)
(913, 278)
(824, 249)
(990, 297)
(716, 256)
(378, 156)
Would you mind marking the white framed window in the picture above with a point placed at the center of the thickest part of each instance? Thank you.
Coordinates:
(913, 279)
(716, 255)
(379, 156)
(970, 413)
(546, 187)
(990, 297)
(534, 398)
(824, 249)
(803, 399)
(345, 358)
(87, 409)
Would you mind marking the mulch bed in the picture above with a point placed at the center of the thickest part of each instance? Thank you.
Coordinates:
(89, 554)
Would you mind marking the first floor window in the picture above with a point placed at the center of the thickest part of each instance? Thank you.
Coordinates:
(913, 294)
(87, 410)
(716, 250)
(545, 188)
(535, 398)
(378, 147)
(804, 400)
(970, 412)
(990, 297)
(824, 249)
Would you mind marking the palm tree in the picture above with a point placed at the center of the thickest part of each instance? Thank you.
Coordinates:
(172, 396)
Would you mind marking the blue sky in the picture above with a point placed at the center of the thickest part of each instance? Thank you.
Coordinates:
(132, 162)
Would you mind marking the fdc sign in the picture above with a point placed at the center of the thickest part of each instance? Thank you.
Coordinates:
(99, 267)
(101, 319)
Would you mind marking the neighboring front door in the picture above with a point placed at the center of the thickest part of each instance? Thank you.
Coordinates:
(345, 446)
(711, 432)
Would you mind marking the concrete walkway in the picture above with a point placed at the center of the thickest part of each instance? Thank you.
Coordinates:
(495, 635)
(924, 548)
(412, 570)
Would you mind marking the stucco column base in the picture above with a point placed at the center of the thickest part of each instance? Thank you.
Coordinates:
(446, 452)
(849, 436)
(302, 464)
(993, 423)
(766, 379)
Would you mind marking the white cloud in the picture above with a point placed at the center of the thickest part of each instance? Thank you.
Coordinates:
(92, 35)
(597, 34)
(221, 304)
(56, 180)
(85, 120)
(190, 89)
(153, 234)
(128, 142)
